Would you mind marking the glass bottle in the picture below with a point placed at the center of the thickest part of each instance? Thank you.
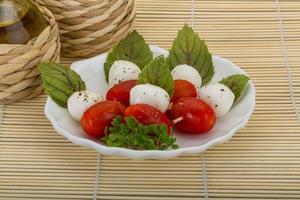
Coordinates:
(20, 21)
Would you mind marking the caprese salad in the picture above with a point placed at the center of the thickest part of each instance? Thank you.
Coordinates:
(148, 96)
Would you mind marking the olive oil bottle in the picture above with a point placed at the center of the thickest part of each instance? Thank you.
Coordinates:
(20, 21)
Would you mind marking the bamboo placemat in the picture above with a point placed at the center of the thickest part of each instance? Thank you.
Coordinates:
(260, 162)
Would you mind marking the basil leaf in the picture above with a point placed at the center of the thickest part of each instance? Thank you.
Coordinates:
(132, 48)
(60, 82)
(189, 49)
(157, 72)
(237, 83)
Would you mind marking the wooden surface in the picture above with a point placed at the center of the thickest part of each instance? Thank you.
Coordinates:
(260, 162)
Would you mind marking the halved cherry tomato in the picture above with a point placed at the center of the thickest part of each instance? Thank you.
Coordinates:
(183, 88)
(121, 92)
(99, 116)
(146, 115)
(192, 115)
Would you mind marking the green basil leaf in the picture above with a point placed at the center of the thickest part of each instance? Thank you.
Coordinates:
(60, 82)
(132, 48)
(237, 83)
(157, 72)
(189, 49)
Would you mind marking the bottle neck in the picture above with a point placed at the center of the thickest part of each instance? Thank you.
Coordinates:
(12, 10)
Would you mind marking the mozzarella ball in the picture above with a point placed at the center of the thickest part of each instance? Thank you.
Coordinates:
(79, 102)
(122, 70)
(188, 73)
(151, 95)
(218, 96)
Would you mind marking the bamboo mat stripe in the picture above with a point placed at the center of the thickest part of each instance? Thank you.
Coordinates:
(260, 162)
(285, 57)
(1, 113)
(204, 174)
(96, 186)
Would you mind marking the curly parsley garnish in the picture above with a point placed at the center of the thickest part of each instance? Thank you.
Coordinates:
(134, 135)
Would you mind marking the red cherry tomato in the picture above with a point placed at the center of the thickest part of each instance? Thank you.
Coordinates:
(120, 92)
(183, 88)
(192, 115)
(99, 116)
(146, 115)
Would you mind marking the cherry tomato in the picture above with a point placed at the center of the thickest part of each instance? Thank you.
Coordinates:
(120, 92)
(147, 114)
(183, 88)
(192, 115)
(99, 116)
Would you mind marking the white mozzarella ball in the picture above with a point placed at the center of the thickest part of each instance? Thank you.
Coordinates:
(188, 73)
(151, 95)
(218, 96)
(122, 70)
(79, 102)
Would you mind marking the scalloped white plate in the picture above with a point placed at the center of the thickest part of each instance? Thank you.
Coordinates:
(91, 71)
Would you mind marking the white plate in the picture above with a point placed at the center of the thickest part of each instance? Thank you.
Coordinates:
(91, 71)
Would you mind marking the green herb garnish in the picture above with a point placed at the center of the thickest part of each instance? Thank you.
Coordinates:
(60, 82)
(189, 49)
(236, 83)
(134, 135)
(132, 48)
(157, 73)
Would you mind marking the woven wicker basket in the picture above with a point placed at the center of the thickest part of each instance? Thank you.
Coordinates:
(19, 77)
(90, 27)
